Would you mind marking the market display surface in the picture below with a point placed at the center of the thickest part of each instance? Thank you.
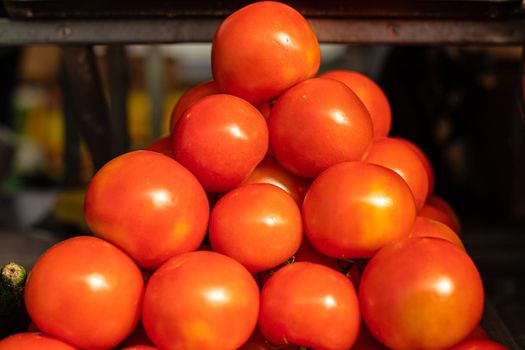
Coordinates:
(278, 214)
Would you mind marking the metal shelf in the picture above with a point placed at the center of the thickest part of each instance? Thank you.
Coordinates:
(202, 29)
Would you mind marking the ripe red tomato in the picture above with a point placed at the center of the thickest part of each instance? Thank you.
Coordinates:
(148, 205)
(478, 344)
(271, 172)
(309, 305)
(259, 225)
(440, 210)
(353, 209)
(221, 139)
(85, 291)
(33, 341)
(398, 156)
(189, 98)
(258, 342)
(316, 124)
(414, 290)
(424, 159)
(162, 145)
(370, 94)
(425, 227)
(477, 333)
(200, 300)
(263, 49)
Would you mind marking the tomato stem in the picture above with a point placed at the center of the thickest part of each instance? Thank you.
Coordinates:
(13, 275)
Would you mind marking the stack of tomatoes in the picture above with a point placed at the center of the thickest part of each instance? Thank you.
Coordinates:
(277, 214)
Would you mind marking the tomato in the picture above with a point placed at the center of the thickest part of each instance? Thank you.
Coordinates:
(140, 347)
(421, 293)
(85, 291)
(353, 209)
(316, 124)
(439, 209)
(32, 341)
(425, 160)
(221, 139)
(162, 145)
(137, 337)
(425, 227)
(259, 225)
(370, 94)
(398, 156)
(258, 342)
(189, 98)
(365, 341)
(265, 109)
(263, 49)
(148, 205)
(309, 305)
(200, 300)
(271, 172)
(478, 344)
(478, 333)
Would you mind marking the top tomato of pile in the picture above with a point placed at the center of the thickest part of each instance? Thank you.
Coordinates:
(263, 49)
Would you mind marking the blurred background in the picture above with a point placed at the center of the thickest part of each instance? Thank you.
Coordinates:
(463, 105)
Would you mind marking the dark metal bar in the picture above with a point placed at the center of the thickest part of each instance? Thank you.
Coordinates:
(96, 127)
(118, 81)
(202, 29)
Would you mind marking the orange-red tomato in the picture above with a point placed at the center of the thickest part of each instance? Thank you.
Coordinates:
(85, 291)
(478, 344)
(425, 227)
(353, 209)
(271, 172)
(370, 94)
(414, 290)
(425, 160)
(309, 305)
(398, 156)
(316, 124)
(149, 205)
(259, 225)
(189, 98)
(258, 342)
(221, 139)
(439, 209)
(263, 49)
(33, 341)
(162, 145)
(200, 300)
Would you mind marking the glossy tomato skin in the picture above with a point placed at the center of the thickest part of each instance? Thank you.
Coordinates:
(33, 341)
(189, 98)
(149, 205)
(162, 145)
(370, 94)
(259, 225)
(200, 300)
(425, 160)
(478, 344)
(353, 209)
(309, 305)
(85, 291)
(221, 139)
(425, 227)
(401, 158)
(271, 172)
(316, 124)
(439, 209)
(432, 286)
(263, 49)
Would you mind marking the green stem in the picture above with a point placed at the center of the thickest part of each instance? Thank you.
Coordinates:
(13, 275)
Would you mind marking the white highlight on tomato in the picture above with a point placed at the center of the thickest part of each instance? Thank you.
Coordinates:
(97, 282)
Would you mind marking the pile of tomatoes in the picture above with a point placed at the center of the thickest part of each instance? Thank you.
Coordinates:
(277, 214)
